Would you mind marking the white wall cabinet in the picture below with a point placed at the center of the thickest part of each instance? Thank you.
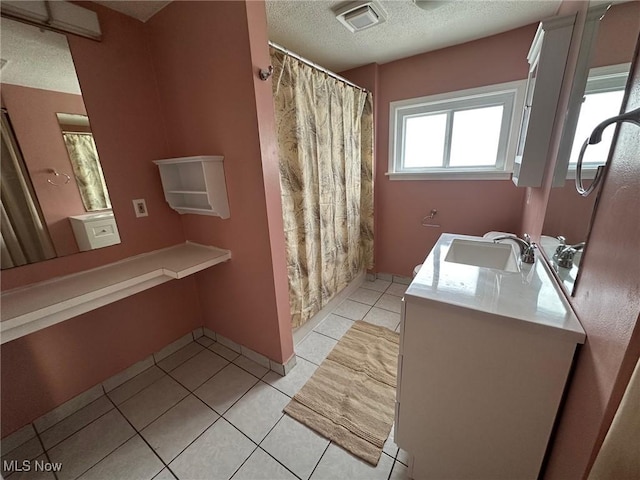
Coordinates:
(195, 185)
(547, 62)
(95, 230)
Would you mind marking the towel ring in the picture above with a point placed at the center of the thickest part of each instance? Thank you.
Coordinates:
(595, 137)
(585, 192)
(67, 178)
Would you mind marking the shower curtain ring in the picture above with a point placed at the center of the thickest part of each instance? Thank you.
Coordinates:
(265, 74)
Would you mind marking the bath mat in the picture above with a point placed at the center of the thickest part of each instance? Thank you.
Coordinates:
(350, 399)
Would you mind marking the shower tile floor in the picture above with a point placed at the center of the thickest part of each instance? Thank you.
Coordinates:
(207, 413)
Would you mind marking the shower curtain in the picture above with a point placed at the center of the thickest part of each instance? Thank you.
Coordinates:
(87, 170)
(325, 137)
(24, 235)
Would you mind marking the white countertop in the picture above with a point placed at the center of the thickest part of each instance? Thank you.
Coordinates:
(34, 307)
(531, 295)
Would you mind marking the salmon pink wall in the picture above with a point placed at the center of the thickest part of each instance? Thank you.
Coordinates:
(46, 368)
(469, 207)
(256, 19)
(568, 214)
(33, 116)
(203, 58)
(617, 35)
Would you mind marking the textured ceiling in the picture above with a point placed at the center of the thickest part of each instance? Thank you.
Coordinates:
(142, 10)
(36, 58)
(309, 28)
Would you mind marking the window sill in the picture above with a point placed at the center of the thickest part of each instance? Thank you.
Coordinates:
(588, 173)
(449, 175)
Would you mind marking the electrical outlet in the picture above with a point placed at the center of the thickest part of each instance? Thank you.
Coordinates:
(140, 207)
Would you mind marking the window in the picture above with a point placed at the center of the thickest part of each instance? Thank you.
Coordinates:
(465, 134)
(602, 100)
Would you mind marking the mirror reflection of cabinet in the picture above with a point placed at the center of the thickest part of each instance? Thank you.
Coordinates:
(578, 90)
(604, 57)
(547, 59)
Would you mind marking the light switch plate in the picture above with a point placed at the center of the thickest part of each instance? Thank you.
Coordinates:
(140, 207)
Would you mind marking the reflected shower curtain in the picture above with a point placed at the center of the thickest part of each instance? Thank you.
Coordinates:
(24, 235)
(87, 170)
(325, 137)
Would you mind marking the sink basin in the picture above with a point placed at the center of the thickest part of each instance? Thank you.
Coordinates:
(482, 254)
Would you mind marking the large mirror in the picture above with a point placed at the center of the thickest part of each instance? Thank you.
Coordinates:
(608, 56)
(55, 200)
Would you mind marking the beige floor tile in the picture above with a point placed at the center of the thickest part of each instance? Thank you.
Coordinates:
(352, 310)
(378, 285)
(198, 369)
(222, 390)
(294, 380)
(337, 463)
(153, 401)
(136, 384)
(295, 446)
(383, 318)
(258, 411)
(364, 295)
(389, 302)
(178, 427)
(315, 347)
(224, 352)
(260, 466)
(181, 356)
(216, 454)
(94, 442)
(133, 460)
(334, 326)
(250, 366)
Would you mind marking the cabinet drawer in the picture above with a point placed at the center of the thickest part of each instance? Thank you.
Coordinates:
(101, 234)
(91, 234)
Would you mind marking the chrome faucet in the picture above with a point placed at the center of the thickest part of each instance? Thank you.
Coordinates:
(527, 254)
(565, 253)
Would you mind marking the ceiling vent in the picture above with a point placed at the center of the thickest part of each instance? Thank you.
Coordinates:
(357, 16)
(429, 5)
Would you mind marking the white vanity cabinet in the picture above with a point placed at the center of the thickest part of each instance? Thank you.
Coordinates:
(547, 61)
(95, 230)
(484, 358)
(195, 185)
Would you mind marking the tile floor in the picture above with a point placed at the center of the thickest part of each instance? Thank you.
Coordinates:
(207, 413)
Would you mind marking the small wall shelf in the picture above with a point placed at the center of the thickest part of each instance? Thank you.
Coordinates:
(28, 309)
(195, 185)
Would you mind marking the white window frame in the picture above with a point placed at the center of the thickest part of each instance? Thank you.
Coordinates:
(510, 94)
(609, 78)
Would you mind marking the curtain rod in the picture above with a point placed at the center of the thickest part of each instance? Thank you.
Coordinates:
(315, 65)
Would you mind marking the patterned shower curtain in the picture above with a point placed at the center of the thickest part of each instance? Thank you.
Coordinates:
(87, 170)
(325, 137)
(24, 237)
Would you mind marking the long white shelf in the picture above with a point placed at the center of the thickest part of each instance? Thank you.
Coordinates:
(31, 308)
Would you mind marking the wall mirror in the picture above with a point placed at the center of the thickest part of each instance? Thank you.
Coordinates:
(605, 56)
(55, 200)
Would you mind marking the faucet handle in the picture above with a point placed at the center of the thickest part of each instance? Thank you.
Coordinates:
(562, 245)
